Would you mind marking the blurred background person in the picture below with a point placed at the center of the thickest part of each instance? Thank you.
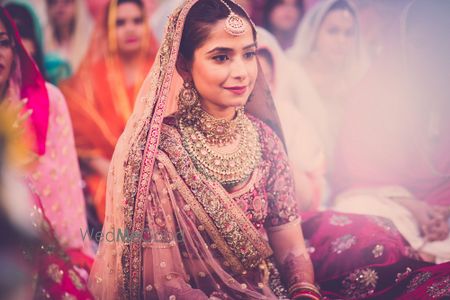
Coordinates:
(340, 244)
(53, 171)
(303, 144)
(328, 58)
(33, 265)
(67, 31)
(97, 7)
(101, 95)
(49, 171)
(281, 18)
(50, 64)
(392, 158)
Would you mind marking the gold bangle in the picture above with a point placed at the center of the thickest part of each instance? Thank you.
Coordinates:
(303, 285)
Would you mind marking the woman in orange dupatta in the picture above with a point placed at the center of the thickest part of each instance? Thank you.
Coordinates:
(101, 94)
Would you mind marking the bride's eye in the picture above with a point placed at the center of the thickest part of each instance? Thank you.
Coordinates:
(221, 58)
(250, 54)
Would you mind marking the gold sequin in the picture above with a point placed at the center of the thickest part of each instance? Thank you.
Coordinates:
(243, 286)
(76, 280)
(261, 285)
(149, 288)
(202, 274)
(163, 264)
(55, 273)
(172, 297)
(68, 296)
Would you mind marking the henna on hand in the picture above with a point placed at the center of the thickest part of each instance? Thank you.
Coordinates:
(298, 268)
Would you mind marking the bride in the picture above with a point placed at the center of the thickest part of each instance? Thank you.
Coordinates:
(200, 192)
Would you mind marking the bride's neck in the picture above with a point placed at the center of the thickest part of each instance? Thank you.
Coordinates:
(218, 112)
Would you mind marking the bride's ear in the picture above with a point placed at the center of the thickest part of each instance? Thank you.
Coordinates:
(183, 68)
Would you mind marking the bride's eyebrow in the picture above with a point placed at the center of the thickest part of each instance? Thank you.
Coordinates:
(225, 49)
(220, 49)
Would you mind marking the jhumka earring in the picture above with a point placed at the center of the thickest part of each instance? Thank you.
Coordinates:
(188, 96)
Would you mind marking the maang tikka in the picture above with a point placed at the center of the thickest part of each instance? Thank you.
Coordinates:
(234, 24)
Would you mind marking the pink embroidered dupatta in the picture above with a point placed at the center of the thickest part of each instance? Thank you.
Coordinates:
(143, 193)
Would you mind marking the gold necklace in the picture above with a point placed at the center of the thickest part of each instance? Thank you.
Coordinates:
(218, 132)
(228, 168)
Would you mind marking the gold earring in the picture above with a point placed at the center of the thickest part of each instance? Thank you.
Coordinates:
(188, 96)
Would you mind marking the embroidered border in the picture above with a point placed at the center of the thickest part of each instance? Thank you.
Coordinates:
(229, 220)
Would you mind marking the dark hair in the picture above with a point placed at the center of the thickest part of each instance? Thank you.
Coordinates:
(27, 30)
(271, 5)
(203, 15)
(8, 26)
(137, 2)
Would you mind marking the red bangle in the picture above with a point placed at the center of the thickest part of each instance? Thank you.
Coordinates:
(306, 294)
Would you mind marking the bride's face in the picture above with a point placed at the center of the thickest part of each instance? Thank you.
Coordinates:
(224, 68)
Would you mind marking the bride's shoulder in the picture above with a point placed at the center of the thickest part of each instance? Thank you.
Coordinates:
(267, 136)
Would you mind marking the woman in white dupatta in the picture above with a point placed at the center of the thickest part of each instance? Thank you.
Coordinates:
(305, 149)
(328, 58)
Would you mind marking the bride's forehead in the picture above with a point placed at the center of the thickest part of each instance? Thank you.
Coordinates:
(218, 37)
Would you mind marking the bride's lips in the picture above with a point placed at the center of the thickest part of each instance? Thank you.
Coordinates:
(237, 90)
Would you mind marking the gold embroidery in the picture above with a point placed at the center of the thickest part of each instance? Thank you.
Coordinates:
(219, 214)
(55, 273)
(76, 280)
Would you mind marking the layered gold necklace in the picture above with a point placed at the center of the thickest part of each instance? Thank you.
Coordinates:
(204, 138)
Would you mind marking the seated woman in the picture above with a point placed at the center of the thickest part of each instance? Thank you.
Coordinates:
(327, 54)
(68, 30)
(34, 265)
(50, 171)
(395, 162)
(342, 246)
(206, 192)
(282, 18)
(101, 95)
(306, 152)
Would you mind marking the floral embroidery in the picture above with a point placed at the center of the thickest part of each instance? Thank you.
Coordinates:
(55, 273)
(384, 223)
(404, 275)
(338, 220)
(378, 251)
(360, 284)
(417, 280)
(228, 220)
(440, 289)
(343, 243)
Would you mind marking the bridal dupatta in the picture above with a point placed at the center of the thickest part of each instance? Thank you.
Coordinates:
(142, 255)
